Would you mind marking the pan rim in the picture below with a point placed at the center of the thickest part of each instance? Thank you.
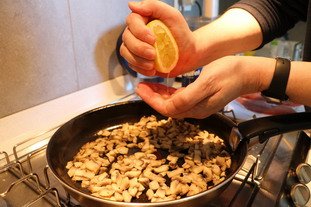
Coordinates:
(163, 203)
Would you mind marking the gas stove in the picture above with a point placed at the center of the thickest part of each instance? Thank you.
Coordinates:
(275, 173)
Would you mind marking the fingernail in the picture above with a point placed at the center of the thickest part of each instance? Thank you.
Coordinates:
(150, 54)
(150, 38)
(137, 87)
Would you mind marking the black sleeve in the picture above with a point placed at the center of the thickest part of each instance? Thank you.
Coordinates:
(275, 17)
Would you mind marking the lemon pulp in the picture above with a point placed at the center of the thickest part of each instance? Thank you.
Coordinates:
(165, 46)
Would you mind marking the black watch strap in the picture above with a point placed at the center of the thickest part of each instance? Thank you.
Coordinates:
(277, 88)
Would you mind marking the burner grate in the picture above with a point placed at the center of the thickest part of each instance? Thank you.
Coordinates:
(29, 179)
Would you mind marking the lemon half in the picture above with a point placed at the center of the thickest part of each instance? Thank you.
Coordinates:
(165, 46)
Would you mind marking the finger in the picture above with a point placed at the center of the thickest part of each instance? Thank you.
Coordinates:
(159, 10)
(191, 95)
(199, 111)
(158, 96)
(139, 48)
(155, 96)
(137, 25)
(134, 60)
(154, 9)
(142, 70)
(161, 89)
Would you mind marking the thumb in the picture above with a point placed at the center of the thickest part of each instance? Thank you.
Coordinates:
(154, 9)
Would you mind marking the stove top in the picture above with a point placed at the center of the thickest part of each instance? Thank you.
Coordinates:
(25, 179)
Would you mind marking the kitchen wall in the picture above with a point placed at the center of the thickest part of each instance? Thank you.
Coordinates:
(52, 48)
(49, 49)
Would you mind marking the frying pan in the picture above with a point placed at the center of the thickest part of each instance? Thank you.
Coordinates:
(70, 137)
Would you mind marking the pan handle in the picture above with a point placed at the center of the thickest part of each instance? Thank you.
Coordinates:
(269, 126)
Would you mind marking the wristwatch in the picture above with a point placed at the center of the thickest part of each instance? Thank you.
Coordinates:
(276, 93)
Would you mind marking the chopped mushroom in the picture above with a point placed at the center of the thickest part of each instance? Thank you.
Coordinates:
(126, 162)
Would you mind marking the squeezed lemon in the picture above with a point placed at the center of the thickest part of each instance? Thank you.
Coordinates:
(165, 46)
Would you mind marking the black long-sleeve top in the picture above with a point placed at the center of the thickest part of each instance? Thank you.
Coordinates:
(275, 17)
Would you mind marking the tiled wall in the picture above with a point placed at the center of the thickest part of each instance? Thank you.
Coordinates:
(50, 48)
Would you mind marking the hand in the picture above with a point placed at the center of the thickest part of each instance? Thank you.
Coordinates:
(138, 40)
(219, 83)
(256, 103)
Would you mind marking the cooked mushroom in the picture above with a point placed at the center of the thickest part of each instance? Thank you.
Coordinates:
(108, 168)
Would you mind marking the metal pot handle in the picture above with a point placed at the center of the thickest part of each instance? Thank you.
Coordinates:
(269, 126)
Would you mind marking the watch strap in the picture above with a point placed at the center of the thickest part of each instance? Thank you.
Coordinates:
(277, 88)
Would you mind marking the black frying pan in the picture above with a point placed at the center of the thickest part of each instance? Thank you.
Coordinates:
(70, 137)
